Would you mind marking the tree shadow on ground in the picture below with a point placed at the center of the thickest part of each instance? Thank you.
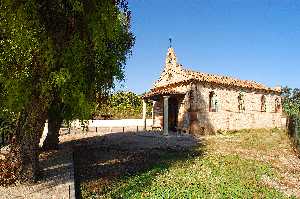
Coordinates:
(55, 178)
(122, 163)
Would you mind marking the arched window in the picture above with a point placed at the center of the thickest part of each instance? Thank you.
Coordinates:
(263, 104)
(277, 105)
(213, 102)
(241, 102)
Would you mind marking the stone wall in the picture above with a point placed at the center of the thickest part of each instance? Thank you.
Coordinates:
(158, 113)
(228, 117)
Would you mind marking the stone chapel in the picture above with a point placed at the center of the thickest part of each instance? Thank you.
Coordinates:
(200, 103)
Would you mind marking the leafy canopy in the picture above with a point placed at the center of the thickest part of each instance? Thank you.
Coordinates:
(291, 101)
(70, 49)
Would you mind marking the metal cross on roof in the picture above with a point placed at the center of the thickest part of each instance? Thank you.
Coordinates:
(170, 40)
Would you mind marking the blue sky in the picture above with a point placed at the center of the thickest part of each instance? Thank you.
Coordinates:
(249, 39)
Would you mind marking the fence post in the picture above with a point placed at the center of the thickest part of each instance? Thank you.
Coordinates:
(4, 138)
(295, 128)
(297, 131)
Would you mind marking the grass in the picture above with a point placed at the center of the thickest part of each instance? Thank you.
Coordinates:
(242, 164)
(218, 176)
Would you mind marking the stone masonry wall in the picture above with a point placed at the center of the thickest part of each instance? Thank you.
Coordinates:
(228, 117)
(158, 113)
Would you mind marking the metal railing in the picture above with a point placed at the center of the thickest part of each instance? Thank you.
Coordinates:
(104, 130)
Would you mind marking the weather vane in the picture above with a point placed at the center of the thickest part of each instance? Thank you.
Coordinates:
(170, 40)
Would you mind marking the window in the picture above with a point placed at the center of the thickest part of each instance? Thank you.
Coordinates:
(277, 105)
(263, 104)
(241, 102)
(213, 102)
(191, 95)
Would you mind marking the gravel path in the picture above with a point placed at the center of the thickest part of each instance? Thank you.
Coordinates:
(58, 169)
(57, 181)
(130, 141)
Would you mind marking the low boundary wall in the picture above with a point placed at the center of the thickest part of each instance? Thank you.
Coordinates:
(112, 123)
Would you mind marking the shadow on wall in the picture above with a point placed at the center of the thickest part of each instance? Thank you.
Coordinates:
(200, 123)
(102, 162)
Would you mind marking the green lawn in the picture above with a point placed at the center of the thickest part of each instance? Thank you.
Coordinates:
(243, 164)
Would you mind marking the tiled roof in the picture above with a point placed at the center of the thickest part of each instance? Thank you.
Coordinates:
(188, 75)
(175, 73)
(164, 91)
(225, 80)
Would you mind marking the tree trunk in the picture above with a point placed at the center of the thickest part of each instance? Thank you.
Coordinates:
(52, 138)
(25, 146)
(54, 122)
(26, 153)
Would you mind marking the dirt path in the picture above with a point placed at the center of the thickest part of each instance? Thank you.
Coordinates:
(57, 179)
(103, 160)
(130, 141)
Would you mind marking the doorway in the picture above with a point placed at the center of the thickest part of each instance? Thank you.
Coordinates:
(173, 113)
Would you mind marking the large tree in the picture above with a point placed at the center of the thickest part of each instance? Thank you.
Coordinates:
(56, 55)
(291, 101)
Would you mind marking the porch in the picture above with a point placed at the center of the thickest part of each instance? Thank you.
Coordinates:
(167, 112)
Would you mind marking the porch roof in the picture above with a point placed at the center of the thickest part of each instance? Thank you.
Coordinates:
(162, 92)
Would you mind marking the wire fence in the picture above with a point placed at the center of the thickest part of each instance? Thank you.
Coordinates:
(104, 130)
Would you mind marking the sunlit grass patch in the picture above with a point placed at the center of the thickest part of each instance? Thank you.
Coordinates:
(233, 165)
(210, 176)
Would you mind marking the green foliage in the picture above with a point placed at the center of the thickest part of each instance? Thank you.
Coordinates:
(218, 176)
(64, 50)
(56, 56)
(291, 105)
(7, 124)
(23, 43)
(291, 101)
(122, 104)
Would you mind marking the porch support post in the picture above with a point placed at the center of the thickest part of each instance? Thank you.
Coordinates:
(166, 115)
(144, 114)
(153, 107)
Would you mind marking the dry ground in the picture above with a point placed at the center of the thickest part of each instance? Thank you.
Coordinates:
(244, 164)
(268, 146)
(56, 179)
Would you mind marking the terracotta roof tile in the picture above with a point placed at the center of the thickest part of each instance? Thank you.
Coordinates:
(164, 91)
(180, 75)
(218, 79)
(228, 81)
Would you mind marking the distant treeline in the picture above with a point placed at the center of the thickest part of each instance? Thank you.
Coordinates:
(121, 105)
(291, 106)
